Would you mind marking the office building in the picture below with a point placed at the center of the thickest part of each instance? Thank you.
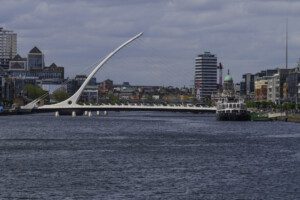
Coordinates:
(8, 47)
(74, 84)
(205, 76)
(35, 59)
(2, 82)
(261, 88)
(18, 63)
(249, 83)
(106, 86)
(292, 85)
(53, 72)
(275, 86)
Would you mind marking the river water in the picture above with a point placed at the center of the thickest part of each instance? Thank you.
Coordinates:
(147, 155)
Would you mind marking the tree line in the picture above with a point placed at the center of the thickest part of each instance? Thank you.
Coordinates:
(268, 105)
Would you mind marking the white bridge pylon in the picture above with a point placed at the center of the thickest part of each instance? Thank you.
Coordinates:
(72, 101)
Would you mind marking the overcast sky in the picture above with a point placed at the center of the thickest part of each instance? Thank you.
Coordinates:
(246, 35)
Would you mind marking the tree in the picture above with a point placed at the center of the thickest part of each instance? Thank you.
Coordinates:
(288, 106)
(34, 91)
(113, 99)
(250, 104)
(60, 95)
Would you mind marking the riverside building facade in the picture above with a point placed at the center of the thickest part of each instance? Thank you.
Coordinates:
(205, 76)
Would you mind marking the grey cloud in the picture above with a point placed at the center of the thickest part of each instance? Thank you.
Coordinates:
(246, 35)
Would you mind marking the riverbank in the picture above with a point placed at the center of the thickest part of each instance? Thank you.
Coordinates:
(290, 118)
(262, 116)
(13, 112)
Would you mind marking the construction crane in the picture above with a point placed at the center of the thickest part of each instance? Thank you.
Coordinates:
(220, 68)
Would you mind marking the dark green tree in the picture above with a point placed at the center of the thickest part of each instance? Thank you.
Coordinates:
(60, 95)
(113, 99)
(34, 91)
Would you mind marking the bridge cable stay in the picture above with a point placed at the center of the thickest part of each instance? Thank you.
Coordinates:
(163, 65)
(152, 61)
(148, 63)
(158, 67)
(124, 68)
(85, 70)
(115, 68)
(169, 66)
(64, 83)
(72, 101)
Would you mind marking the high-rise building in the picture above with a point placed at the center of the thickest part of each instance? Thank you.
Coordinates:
(35, 59)
(249, 83)
(276, 85)
(2, 82)
(293, 85)
(205, 75)
(8, 47)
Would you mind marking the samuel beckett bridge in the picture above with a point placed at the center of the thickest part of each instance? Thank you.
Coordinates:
(71, 105)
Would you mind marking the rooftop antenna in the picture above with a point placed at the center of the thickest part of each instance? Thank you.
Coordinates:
(286, 43)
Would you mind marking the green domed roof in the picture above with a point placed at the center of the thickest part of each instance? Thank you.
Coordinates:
(228, 78)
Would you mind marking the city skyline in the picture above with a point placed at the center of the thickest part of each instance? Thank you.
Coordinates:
(246, 37)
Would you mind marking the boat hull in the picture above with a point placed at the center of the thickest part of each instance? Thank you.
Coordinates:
(245, 116)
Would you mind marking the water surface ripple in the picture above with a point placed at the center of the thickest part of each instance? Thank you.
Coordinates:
(147, 155)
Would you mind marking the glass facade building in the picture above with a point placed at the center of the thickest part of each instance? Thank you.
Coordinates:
(35, 59)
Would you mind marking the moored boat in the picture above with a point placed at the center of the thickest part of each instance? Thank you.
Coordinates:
(233, 110)
(229, 106)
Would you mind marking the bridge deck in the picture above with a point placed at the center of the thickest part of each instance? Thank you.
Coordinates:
(168, 108)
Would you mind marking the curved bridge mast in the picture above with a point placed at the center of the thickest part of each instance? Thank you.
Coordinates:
(72, 101)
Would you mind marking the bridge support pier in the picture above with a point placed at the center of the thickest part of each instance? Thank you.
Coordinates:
(56, 114)
(98, 113)
(105, 112)
(73, 114)
(90, 114)
(85, 113)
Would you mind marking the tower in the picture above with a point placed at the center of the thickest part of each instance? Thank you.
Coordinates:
(205, 75)
(228, 86)
(8, 47)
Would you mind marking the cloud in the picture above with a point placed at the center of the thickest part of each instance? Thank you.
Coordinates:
(247, 36)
